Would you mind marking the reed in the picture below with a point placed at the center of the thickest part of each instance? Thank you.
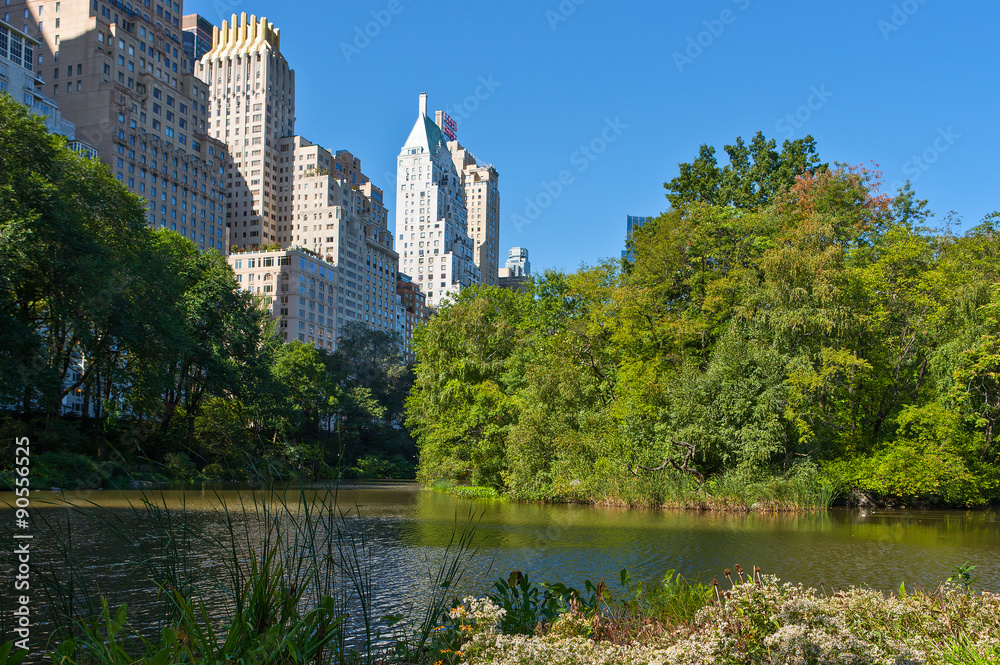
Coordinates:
(288, 578)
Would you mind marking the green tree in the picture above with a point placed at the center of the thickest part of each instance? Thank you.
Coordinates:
(755, 175)
(459, 409)
(70, 240)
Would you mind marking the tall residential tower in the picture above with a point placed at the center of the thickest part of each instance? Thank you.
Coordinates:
(431, 218)
(118, 71)
(481, 186)
(309, 228)
(252, 106)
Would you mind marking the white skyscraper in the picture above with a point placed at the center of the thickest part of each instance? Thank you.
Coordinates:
(433, 236)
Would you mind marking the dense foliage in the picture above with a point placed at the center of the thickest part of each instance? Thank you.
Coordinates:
(784, 329)
(181, 373)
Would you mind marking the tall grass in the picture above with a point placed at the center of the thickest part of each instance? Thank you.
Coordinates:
(282, 575)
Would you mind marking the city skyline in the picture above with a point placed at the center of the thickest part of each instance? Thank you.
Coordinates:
(659, 94)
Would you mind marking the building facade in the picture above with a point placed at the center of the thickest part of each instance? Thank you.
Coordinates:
(251, 93)
(481, 186)
(197, 38)
(19, 79)
(632, 222)
(299, 288)
(336, 212)
(415, 311)
(118, 72)
(431, 221)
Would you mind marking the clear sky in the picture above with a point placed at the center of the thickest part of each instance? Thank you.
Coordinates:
(909, 84)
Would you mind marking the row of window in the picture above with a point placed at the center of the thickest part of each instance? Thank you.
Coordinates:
(15, 48)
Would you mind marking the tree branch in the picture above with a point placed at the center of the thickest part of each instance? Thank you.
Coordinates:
(671, 462)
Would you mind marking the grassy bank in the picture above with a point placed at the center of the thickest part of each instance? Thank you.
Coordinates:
(74, 471)
(467, 491)
(734, 491)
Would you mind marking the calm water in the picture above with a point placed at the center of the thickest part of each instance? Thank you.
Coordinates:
(407, 530)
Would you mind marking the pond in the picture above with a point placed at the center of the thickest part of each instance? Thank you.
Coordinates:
(406, 530)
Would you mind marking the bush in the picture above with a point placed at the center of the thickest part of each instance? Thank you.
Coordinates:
(180, 467)
(927, 462)
(378, 466)
(71, 471)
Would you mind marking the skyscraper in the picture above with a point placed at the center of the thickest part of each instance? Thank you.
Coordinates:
(632, 222)
(197, 38)
(252, 106)
(517, 262)
(431, 223)
(118, 71)
(309, 228)
(481, 186)
(517, 271)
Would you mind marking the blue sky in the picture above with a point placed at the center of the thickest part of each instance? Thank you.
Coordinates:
(611, 96)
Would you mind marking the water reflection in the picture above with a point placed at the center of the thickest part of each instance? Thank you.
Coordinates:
(405, 531)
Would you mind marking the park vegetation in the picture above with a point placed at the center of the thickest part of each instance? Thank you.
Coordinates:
(181, 374)
(286, 577)
(784, 333)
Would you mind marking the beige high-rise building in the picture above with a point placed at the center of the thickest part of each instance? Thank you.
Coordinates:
(300, 289)
(308, 228)
(252, 106)
(118, 72)
(481, 183)
(336, 212)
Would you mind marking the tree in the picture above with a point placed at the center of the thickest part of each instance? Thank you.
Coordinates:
(755, 175)
(373, 359)
(459, 409)
(70, 240)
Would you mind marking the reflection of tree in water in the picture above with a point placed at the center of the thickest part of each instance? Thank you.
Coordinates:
(396, 536)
